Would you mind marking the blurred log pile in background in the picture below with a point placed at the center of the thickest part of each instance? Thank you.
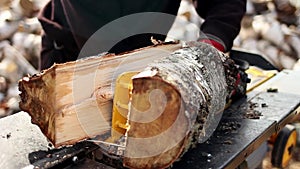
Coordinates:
(20, 44)
(272, 28)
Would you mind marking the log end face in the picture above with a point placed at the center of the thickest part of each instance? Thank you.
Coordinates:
(36, 96)
(158, 126)
(162, 160)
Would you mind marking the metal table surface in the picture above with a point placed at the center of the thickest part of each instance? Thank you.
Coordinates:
(236, 137)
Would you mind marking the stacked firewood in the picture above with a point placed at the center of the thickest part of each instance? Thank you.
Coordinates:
(20, 44)
(272, 28)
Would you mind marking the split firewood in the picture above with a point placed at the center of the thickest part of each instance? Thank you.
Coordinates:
(73, 101)
(8, 25)
(176, 102)
(4, 4)
(13, 65)
(29, 45)
(30, 25)
(27, 8)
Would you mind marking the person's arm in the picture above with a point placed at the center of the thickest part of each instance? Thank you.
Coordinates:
(222, 21)
(58, 44)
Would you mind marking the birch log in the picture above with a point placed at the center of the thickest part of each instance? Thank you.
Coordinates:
(73, 101)
(176, 103)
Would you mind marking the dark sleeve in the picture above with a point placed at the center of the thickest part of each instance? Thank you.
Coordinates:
(58, 44)
(222, 19)
(46, 59)
(51, 54)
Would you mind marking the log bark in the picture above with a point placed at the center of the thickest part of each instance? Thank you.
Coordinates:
(73, 101)
(176, 103)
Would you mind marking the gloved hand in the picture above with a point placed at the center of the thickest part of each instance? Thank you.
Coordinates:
(213, 40)
(214, 43)
(238, 89)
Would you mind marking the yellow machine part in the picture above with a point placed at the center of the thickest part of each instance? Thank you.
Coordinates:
(258, 76)
(291, 143)
(122, 95)
(284, 143)
(120, 105)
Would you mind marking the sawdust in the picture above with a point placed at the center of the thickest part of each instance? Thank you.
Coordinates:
(251, 112)
(228, 127)
(272, 90)
(227, 142)
(8, 135)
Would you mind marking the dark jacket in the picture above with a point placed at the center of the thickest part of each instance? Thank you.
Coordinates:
(68, 24)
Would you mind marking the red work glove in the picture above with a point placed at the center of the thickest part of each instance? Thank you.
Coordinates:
(212, 40)
(214, 43)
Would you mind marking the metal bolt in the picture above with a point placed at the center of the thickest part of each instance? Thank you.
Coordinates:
(75, 159)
